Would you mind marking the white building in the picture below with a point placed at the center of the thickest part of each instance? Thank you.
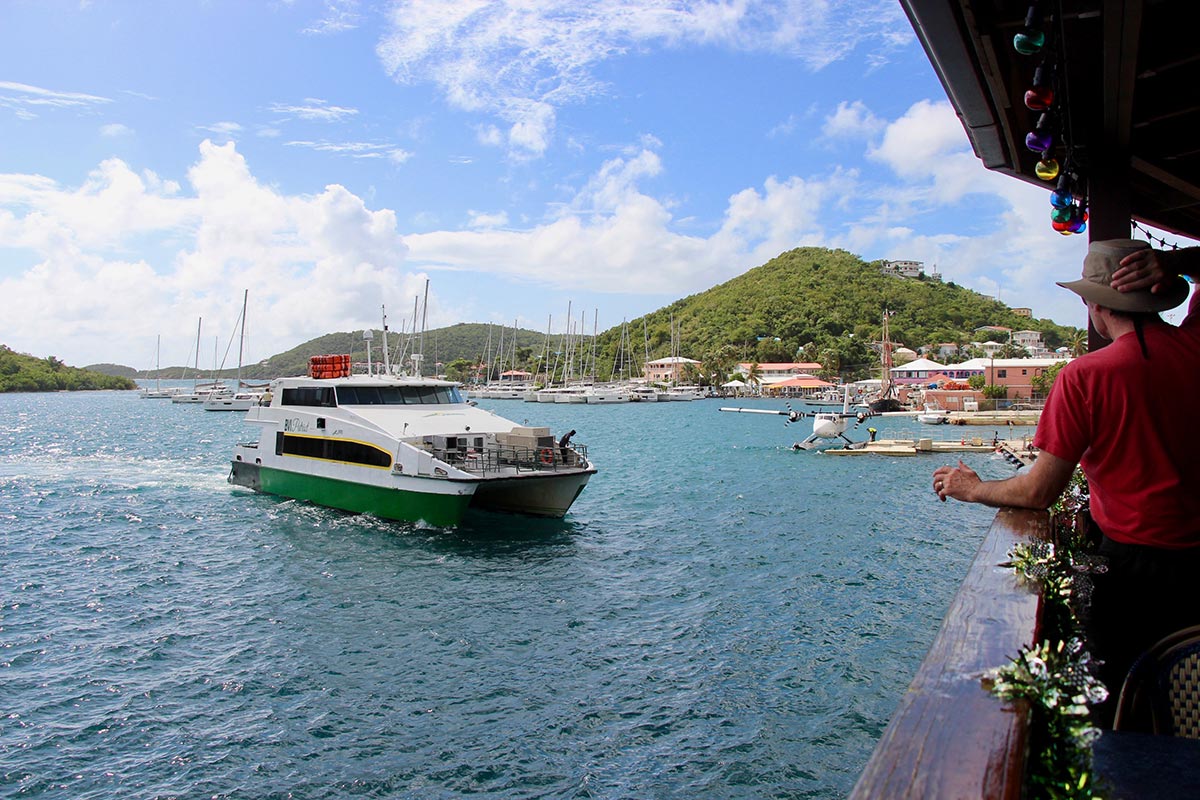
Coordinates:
(667, 370)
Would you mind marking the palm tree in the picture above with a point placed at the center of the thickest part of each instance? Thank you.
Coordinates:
(754, 375)
(1077, 343)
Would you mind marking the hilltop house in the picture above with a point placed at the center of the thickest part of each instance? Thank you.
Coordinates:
(908, 269)
(1032, 342)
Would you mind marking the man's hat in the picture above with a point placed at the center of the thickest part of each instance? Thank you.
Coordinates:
(1102, 261)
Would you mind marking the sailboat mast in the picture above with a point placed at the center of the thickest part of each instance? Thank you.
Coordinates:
(424, 313)
(242, 339)
(196, 377)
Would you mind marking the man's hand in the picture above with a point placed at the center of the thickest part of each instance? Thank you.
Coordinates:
(957, 482)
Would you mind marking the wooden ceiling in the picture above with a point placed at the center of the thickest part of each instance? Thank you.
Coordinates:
(1127, 96)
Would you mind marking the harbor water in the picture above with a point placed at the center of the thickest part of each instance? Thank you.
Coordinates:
(718, 616)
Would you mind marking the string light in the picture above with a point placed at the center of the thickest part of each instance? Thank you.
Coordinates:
(1161, 242)
(1068, 213)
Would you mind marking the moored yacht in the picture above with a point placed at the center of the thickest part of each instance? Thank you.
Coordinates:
(403, 448)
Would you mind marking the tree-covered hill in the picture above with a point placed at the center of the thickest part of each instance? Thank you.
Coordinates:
(24, 373)
(814, 304)
(808, 304)
(466, 341)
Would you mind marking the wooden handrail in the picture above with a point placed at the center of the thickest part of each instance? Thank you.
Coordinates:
(950, 737)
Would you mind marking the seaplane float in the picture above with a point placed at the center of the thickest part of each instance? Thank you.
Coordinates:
(827, 426)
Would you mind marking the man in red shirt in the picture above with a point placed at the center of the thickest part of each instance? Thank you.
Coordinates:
(1119, 413)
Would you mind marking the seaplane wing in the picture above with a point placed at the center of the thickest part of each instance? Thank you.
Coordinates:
(829, 426)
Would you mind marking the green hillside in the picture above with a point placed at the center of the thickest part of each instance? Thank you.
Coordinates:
(462, 342)
(808, 304)
(24, 373)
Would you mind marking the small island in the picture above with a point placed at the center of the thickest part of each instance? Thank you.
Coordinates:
(20, 372)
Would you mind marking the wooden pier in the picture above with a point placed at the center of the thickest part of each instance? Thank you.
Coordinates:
(1018, 449)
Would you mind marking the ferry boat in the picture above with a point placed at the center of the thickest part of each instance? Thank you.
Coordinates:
(403, 448)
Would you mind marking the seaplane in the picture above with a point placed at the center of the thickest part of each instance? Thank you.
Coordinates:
(827, 425)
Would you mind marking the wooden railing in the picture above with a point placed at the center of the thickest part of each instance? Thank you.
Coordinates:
(950, 737)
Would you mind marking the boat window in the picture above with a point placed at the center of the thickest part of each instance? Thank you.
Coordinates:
(309, 396)
(397, 395)
(331, 450)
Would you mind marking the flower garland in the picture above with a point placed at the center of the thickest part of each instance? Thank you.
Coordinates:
(1056, 674)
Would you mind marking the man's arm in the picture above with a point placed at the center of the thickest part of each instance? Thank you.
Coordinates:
(1036, 488)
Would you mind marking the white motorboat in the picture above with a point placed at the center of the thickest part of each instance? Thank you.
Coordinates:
(233, 401)
(934, 414)
(599, 395)
(404, 448)
(684, 393)
(571, 394)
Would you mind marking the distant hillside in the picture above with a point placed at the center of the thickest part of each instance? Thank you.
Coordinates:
(808, 304)
(465, 341)
(815, 304)
(116, 370)
(20, 372)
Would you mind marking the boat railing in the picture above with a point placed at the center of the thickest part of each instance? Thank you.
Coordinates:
(496, 458)
(950, 737)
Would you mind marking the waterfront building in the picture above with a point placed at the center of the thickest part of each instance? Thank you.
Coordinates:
(775, 371)
(916, 372)
(667, 370)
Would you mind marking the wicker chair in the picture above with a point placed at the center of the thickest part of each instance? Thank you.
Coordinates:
(1161, 693)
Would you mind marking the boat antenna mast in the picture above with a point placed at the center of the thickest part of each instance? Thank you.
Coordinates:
(387, 364)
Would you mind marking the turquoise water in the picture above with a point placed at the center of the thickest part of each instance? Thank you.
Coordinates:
(717, 617)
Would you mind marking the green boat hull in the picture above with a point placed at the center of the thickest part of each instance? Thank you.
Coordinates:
(437, 509)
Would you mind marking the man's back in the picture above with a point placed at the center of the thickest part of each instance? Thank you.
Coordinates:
(1124, 417)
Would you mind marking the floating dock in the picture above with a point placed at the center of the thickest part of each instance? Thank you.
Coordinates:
(1016, 450)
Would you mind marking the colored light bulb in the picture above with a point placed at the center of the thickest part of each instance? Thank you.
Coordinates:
(1047, 169)
(1039, 98)
(1060, 226)
(1060, 214)
(1029, 41)
(1039, 140)
(1060, 199)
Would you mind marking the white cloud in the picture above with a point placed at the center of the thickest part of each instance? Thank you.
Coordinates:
(391, 152)
(340, 16)
(314, 109)
(308, 260)
(222, 129)
(520, 60)
(24, 99)
(852, 120)
(115, 130)
(479, 219)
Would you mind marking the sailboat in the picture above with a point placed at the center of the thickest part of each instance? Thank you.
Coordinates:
(887, 399)
(200, 391)
(238, 400)
(157, 393)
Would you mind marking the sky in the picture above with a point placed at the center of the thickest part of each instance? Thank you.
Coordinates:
(333, 158)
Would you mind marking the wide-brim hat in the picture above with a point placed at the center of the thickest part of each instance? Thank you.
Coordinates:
(1102, 260)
